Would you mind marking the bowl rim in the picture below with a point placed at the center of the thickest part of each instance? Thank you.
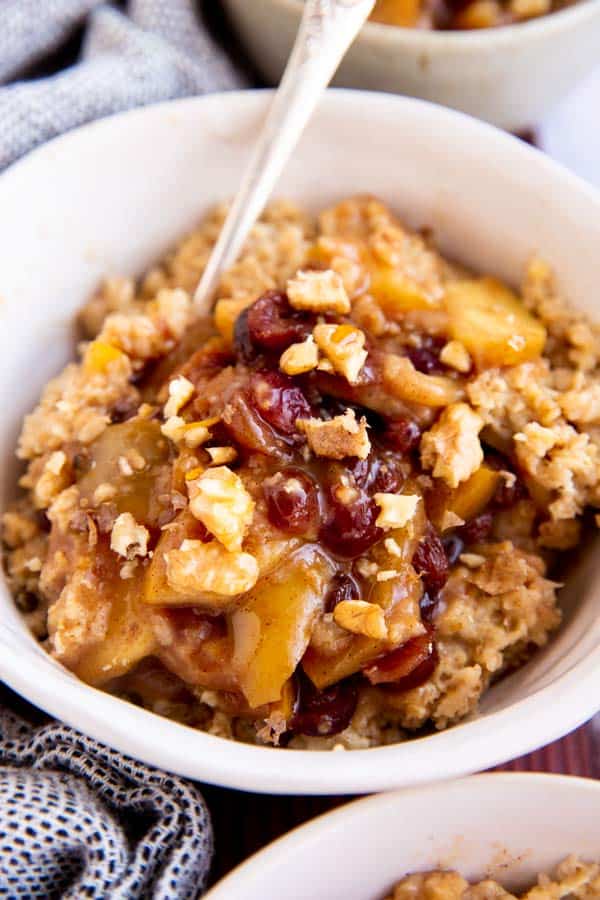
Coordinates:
(460, 750)
(334, 820)
(379, 34)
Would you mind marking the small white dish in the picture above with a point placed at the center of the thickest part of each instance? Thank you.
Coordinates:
(111, 197)
(507, 827)
(509, 76)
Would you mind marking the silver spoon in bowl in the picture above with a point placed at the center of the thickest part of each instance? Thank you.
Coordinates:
(327, 29)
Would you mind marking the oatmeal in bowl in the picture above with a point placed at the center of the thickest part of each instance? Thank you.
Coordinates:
(329, 516)
(572, 878)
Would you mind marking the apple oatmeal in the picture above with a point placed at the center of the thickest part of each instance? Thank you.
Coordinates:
(573, 880)
(327, 515)
(462, 15)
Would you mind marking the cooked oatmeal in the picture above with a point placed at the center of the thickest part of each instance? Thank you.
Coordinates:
(462, 14)
(572, 879)
(326, 516)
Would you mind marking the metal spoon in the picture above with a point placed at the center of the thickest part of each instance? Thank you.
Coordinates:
(327, 29)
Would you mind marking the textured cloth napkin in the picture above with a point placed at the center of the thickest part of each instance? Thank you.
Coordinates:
(154, 50)
(76, 818)
(80, 820)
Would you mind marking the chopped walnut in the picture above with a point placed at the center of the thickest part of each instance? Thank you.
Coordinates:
(338, 437)
(320, 292)
(300, 358)
(456, 355)
(220, 501)
(221, 455)
(396, 510)
(196, 568)
(360, 617)
(53, 479)
(127, 538)
(180, 392)
(192, 434)
(472, 560)
(452, 448)
(343, 346)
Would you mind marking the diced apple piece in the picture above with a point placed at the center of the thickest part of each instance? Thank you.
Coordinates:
(397, 294)
(406, 383)
(492, 323)
(326, 670)
(399, 597)
(472, 496)
(272, 630)
(129, 637)
(402, 13)
(128, 457)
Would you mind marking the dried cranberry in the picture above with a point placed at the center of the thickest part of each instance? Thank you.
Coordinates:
(430, 562)
(343, 587)
(323, 713)
(272, 324)
(428, 605)
(292, 500)
(477, 529)
(454, 546)
(279, 401)
(403, 435)
(350, 528)
(403, 662)
(426, 358)
(379, 473)
(419, 675)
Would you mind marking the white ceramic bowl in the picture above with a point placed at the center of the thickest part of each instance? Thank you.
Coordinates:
(509, 76)
(508, 827)
(112, 196)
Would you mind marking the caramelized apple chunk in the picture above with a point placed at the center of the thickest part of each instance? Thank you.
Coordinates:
(492, 323)
(272, 629)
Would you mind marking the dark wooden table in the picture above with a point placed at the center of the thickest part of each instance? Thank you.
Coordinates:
(244, 823)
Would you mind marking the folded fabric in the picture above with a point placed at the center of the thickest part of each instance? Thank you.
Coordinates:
(156, 50)
(80, 820)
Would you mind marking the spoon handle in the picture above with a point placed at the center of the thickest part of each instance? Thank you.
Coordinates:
(327, 29)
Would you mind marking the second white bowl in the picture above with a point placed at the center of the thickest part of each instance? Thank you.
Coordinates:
(509, 76)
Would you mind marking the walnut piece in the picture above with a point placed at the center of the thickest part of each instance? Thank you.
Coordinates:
(360, 617)
(320, 292)
(220, 501)
(127, 538)
(452, 448)
(396, 510)
(196, 568)
(343, 345)
(299, 358)
(338, 437)
(180, 392)
(456, 355)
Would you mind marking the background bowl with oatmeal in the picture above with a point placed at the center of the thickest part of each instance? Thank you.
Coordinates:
(426, 190)
(492, 827)
(511, 75)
